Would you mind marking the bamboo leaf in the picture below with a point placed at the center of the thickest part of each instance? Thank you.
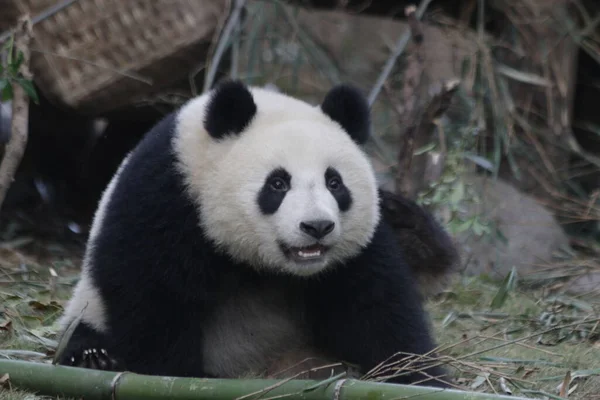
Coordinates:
(575, 303)
(542, 393)
(28, 87)
(21, 353)
(7, 93)
(508, 285)
(479, 227)
(481, 161)
(458, 193)
(519, 361)
(424, 149)
(504, 386)
(589, 126)
(520, 76)
(499, 235)
(451, 317)
(480, 380)
(458, 226)
(14, 67)
(585, 373)
(326, 381)
(62, 344)
(8, 47)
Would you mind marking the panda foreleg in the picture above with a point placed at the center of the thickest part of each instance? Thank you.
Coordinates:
(370, 323)
(370, 311)
(88, 348)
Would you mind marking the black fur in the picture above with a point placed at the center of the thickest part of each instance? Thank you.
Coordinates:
(347, 106)
(369, 309)
(269, 197)
(161, 280)
(341, 194)
(426, 246)
(230, 109)
(92, 354)
(155, 293)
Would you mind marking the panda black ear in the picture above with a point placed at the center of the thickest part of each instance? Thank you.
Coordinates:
(229, 110)
(347, 106)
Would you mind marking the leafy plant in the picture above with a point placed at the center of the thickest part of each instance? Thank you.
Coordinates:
(452, 191)
(10, 74)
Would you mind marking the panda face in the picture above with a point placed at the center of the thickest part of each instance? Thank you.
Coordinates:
(291, 192)
(307, 211)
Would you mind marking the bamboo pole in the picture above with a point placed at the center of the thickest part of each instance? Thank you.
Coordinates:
(55, 380)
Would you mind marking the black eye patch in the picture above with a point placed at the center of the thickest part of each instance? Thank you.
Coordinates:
(335, 185)
(276, 185)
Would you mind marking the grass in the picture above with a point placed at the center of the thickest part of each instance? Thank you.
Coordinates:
(479, 343)
(483, 347)
(36, 278)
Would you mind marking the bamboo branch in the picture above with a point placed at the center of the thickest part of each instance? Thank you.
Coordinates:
(391, 61)
(20, 113)
(400, 46)
(53, 380)
(423, 122)
(413, 83)
(47, 13)
(223, 43)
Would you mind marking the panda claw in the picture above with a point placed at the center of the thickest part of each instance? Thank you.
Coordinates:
(95, 358)
(104, 361)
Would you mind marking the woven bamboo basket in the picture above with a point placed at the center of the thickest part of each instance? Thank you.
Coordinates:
(95, 55)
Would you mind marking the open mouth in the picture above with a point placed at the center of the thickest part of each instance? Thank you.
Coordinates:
(314, 252)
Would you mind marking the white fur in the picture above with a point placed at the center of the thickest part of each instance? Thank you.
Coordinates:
(250, 331)
(85, 292)
(225, 177)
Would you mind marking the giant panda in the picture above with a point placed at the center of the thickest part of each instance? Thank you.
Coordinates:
(244, 227)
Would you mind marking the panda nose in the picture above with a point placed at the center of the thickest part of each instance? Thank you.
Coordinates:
(317, 228)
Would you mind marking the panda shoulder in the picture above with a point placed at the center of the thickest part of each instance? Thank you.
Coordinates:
(383, 248)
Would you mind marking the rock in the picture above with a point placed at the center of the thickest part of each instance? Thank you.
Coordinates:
(351, 47)
(587, 282)
(531, 231)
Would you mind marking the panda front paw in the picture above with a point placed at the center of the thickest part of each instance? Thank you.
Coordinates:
(95, 359)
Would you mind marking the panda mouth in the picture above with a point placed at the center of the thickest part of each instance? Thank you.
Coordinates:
(314, 252)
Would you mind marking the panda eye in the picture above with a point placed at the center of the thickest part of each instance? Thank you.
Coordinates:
(278, 184)
(334, 183)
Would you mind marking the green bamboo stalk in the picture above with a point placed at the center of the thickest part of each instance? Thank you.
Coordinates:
(55, 380)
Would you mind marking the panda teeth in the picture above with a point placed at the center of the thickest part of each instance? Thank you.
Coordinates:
(308, 254)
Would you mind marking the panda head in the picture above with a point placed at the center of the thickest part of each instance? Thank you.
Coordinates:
(279, 183)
